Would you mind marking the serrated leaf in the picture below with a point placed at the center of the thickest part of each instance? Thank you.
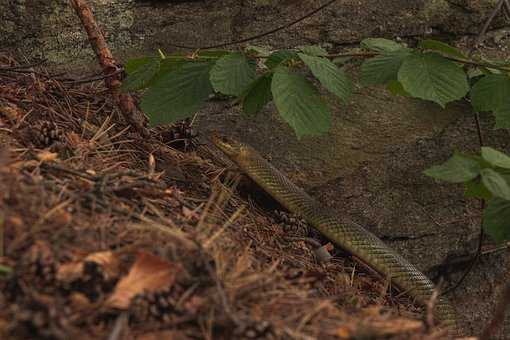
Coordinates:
(502, 115)
(178, 94)
(299, 103)
(279, 57)
(258, 50)
(397, 89)
(331, 77)
(441, 47)
(381, 45)
(257, 95)
(232, 73)
(431, 77)
(496, 219)
(166, 66)
(382, 69)
(133, 64)
(495, 157)
(491, 92)
(476, 189)
(140, 73)
(313, 50)
(495, 183)
(457, 169)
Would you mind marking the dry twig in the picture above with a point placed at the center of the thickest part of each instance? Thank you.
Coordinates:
(124, 101)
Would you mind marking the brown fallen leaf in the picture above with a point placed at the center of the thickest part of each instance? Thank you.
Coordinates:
(107, 260)
(149, 273)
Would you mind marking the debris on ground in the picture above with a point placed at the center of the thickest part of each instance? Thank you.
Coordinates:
(104, 234)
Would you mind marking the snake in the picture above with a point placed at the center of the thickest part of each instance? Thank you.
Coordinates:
(351, 237)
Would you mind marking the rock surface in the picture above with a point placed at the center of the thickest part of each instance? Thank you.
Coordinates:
(51, 29)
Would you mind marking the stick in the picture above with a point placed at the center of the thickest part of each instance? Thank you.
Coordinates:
(124, 101)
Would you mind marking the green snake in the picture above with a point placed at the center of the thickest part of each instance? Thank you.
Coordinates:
(351, 237)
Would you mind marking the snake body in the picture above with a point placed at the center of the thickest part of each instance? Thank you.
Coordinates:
(351, 237)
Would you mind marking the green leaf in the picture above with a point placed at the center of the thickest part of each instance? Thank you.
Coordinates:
(441, 47)
(207, 55)
(381, 45)
(280, 57)
(495, 157)
(313, 50)
(257, 95)
(330, 76)
(178, 94)
(382, 69)
(341, 60)
(140, 73)
(496, 219)
(232, 74)
(495, 183)
(258, 50)
(299, 103)
(431, 77)
(459, 168)
(133, 64)
(502, 115)
(475, 72)
(166, 66)
(476, 189)
(491, 92)
(397, 89)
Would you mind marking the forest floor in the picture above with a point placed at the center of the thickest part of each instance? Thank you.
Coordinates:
(104, 234)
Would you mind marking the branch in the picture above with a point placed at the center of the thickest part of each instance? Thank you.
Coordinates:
(258, 36)
(124, 101)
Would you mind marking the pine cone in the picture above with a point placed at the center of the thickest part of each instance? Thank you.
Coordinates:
(45, 133)
(291, 224)
(153, 306)
(179, 135)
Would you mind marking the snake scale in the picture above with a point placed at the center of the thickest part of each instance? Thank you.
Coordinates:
(351, 237)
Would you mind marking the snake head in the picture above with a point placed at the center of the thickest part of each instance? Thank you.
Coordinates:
(229, 146)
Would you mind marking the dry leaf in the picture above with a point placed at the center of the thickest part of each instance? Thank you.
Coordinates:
(79, 301)
(149, 273)
(108, 261)
(69, 272)
(47, 156)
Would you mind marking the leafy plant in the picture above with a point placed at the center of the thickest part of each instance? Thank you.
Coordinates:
(178, 85)
(486, 177)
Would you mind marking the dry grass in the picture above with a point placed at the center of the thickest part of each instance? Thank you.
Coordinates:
(84, 201)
